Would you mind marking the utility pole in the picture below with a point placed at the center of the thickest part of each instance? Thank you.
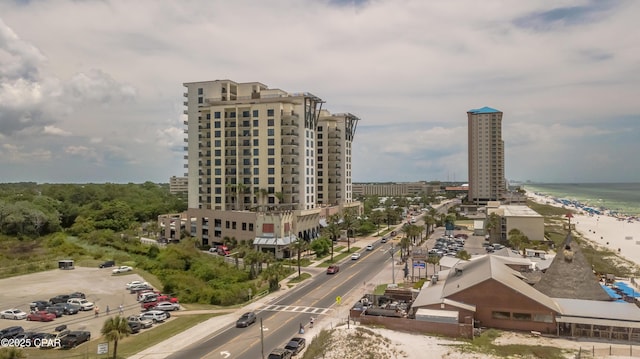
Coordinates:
(393, 275)
(262, 337)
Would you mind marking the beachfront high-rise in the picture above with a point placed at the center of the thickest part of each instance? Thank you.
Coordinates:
(486, 155)
(255, 150)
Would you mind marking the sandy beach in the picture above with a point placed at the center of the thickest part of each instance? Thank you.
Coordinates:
(619, 235)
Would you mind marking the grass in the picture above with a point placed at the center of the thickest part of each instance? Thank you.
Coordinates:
(484, 344)
(380, 289)
(298, 279)
(318, 346)
(127, 346)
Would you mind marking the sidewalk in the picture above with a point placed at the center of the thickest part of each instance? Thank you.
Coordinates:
(338, 316)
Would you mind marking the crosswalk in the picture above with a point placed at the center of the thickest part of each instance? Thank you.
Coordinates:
(295, 309)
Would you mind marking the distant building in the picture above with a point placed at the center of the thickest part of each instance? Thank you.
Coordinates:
(178, 185)
(523, 218)
(394, 189)
(486, 155)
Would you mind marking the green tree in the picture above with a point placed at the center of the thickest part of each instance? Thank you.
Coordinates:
(114, 329)
(299, 245)
(493, 227)
(463, 255)
(349, 223)
(435, 260)
(321, 246)
(377, 217)
(332, 230)
(518, 240)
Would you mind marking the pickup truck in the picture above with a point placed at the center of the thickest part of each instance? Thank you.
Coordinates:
(75, 338)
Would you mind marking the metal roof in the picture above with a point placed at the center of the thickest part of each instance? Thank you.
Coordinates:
(273, 241)
(483, 110)
(598, 309)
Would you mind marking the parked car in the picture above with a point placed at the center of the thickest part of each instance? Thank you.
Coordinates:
(41, 316)
(148, 296)
(11, 332)
(280, 353)
(30, 339)
(57, 311)
(149, 305)
(145, 323)
(83, 303)
(39, 304)
(355, 256)
(67, 309)
(122, 269)
(13, 313)
(154, 315)
(62, 298)
(140, 287)
(75, 338)
(333, 269)
(296, 345)
(135, 327)
(107, 264)
(246, 320)
(135, 283)
(167, 298)
(167, 306)
(77, 295)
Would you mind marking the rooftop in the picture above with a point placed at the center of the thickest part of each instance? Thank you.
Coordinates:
(483, 110)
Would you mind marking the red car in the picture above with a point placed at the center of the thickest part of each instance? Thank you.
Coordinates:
(166, 298)
(41, 316)
(333, 269)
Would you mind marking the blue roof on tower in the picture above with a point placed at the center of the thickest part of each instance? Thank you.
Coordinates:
(484, 110)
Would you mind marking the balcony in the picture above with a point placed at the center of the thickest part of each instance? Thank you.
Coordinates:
(185, 122)
(290, 143)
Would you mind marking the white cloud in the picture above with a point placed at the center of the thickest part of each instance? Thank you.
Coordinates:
(111, 73)
(52, 130)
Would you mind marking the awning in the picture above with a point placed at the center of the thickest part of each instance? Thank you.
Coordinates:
(594, 321)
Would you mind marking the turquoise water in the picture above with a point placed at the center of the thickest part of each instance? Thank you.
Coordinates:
(623, 198)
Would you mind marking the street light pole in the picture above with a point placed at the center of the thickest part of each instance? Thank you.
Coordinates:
(262, 337)
(393, 275)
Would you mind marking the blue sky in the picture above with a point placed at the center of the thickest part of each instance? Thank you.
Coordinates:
(91, 90)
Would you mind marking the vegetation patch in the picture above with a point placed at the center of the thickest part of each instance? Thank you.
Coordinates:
(300, 278)
(484, 344)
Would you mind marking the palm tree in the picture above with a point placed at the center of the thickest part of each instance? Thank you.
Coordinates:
(430, 221)
(433, 260)
(300, 246)
(493, 226)
(114, 329)
(517, 239)
(349, 223)
(263, 193)
(332, 231)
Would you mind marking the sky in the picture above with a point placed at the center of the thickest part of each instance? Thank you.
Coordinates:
(91, 90)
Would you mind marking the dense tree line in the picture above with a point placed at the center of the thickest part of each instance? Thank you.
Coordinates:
(31, 210)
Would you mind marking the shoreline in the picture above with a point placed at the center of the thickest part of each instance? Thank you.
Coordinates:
(621, 235)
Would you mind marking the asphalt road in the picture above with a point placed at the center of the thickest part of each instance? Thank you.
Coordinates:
(282, 318)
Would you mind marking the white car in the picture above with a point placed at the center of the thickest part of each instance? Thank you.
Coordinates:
(154, 315)
(136, 283)
(167, 306)
(13, 313)
(355, 256)
(370, 247)
(122, 269)
(82, 303)
(146, 323)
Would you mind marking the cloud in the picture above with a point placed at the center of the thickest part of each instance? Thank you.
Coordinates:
(110, 74)
(52, 130)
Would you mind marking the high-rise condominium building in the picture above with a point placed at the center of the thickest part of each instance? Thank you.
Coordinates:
(486, 155)
(255, 149)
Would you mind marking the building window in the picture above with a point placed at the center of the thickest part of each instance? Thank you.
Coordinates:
(522, 316)
(200, 100)
(271, 161)
(218, 162)
(271, 142)
(256, 162)
(216, 114)
(271, 171)
(208, 116)
(216, 124)
(271, 151)
(217, 134)
(271, 180)
(255, 114)
(256, 180)
(544, 318)
(251, 227)
(244, 226)
(500, 315)
(256, 142)
(270, 122)
(270, 113)
(245, 114)
(255, 132)
(233, 225)
(271, 132)
(200, 91)
(319, 136)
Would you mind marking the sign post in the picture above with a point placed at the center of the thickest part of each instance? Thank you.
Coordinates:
(103, 348)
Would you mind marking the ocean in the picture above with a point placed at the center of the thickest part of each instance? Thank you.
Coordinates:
(623, 198)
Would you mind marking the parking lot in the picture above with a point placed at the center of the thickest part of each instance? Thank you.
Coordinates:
(99, 286)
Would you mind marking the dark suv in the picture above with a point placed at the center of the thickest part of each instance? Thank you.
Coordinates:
(108, 264)
(280, 354)
(8, 333)
(62, 298)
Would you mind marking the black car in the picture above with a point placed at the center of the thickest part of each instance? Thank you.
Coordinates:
(38, 305)
(11, 332)
(67, 308)
(107, 264)
(280, 353)
(55, 310)
(77, 295)
(75, 338)
(62, 298)
(246, 320)
(135, 327)
(30, 339)
(296, 345)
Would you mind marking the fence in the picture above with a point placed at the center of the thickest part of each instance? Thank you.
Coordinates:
(607, 351)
